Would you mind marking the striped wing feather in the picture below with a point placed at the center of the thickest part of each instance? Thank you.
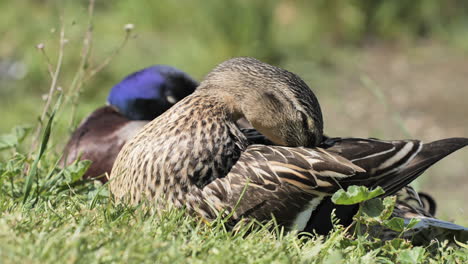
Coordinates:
(411, 204)
(391, 164)
(279, 181)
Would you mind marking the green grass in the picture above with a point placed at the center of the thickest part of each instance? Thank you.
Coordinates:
(69, 221)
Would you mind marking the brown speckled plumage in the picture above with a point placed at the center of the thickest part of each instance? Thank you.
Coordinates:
(184, 154)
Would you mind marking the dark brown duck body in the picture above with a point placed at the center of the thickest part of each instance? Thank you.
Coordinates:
(99, 138)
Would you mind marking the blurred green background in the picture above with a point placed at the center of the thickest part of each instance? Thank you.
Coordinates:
(387, 69)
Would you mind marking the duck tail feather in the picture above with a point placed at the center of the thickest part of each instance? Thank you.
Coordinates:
(426, 157)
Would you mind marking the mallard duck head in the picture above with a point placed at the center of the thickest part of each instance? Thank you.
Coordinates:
(278, 103)
(146, 94)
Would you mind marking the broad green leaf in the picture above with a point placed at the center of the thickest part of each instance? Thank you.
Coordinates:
(375, 211)
(371, 211)
(355, 194)
(389, 205)
(396, 224)
(410, 256)
(412, 223)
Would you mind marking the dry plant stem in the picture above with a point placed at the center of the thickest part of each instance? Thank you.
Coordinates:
(86, 77)
(53, 85)
(82, 76)
(77, 82)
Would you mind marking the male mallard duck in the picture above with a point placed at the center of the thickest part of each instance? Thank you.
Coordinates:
(195, 156)
(134, 101)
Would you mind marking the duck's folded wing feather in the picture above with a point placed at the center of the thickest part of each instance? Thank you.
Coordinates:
(391, 164)
(273, 180)
(290, 182)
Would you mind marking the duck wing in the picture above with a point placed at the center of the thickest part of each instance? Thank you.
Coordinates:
(291, 183)
(382, 157)
(391, 164)
(99, 138)
(285, 182)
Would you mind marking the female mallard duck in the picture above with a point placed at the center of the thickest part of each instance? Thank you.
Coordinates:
(134, 101)
(195, 156)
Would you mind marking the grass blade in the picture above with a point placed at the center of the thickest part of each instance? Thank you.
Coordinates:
(44, 140)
